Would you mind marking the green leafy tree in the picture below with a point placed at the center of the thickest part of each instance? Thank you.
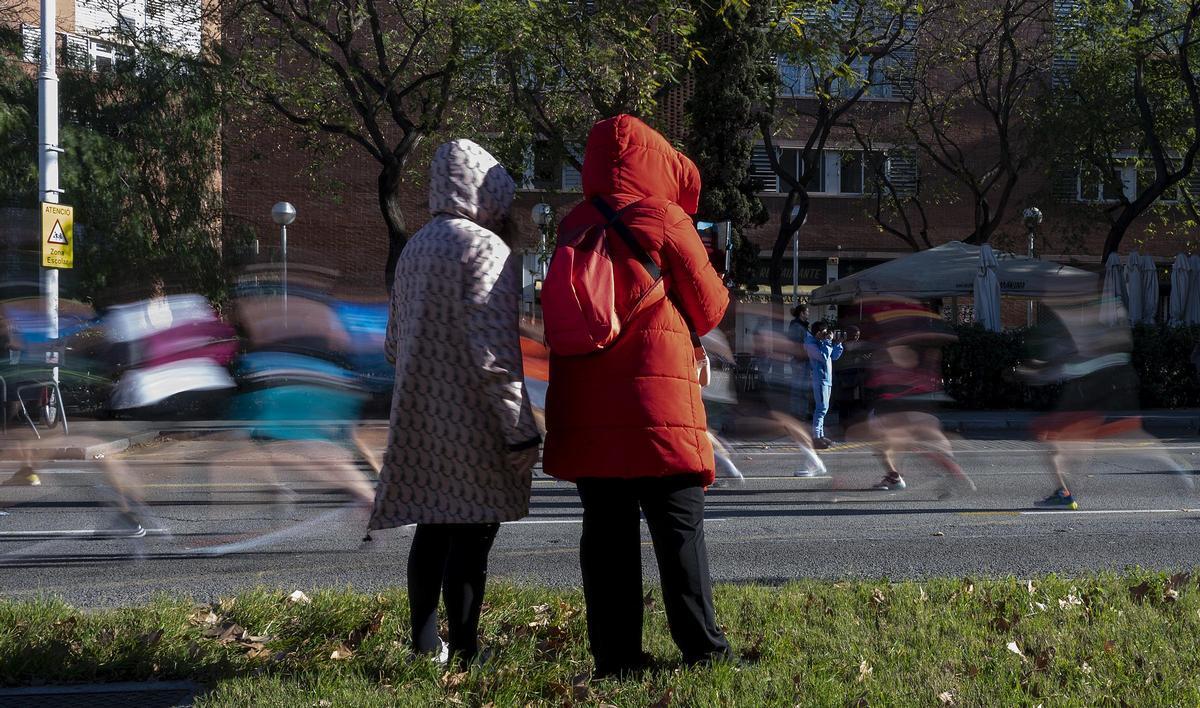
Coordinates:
(731, 76)
(561, 66)
(140, 166)
(1127, 112)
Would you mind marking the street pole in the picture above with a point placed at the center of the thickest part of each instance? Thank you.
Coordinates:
(48, 151)
(796, 267)
(283, 241)
(283, 214)
(1033, 217)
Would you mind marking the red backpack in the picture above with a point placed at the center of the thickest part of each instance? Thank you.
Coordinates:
(579, 293)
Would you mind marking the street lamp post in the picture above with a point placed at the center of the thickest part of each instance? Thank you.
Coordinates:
(48, 151)
(542, 215)
(284, 213)
(1033, 217)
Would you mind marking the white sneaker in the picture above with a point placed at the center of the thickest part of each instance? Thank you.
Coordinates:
(890, 484)
(727, 470)
(813, 464)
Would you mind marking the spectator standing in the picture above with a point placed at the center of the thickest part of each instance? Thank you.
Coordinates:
(462, 440)
(627, 423)
(801, 375)
(823, 348)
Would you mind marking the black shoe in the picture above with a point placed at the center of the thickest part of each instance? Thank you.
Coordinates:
(821, 444)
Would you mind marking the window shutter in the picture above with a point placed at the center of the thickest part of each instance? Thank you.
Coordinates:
(1192, 185)
(1064, 184)
(901, 71)
(31, 44)
(904, 173)
(572, 181)
(761, 174)
(75, 52)
(1066, 21)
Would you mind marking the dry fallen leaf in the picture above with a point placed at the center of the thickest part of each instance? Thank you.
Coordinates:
(341, 653)
(946, 697)
(1138, 592)
(1066, 603)
(923, 596)
(1085, 668)
(452, 680)
(878, 597)
(1109, 646)
(1012, 646)
(665, 701)
(1170, 595)
(299, 598)
(864, 671)
(1030, 587)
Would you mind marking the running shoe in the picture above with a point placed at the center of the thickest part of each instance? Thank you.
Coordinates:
(1060, 499)
(955, 485)
(24, 477)
(727, 470)
(890, 484)
(821, 443)
(813, 465)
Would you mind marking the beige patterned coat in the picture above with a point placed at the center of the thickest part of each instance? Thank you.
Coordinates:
(459, 400)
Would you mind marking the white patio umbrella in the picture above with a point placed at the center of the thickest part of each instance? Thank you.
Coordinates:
(1181, 284)
(1112, 298)
(1193, 308)
(1134, 291)
(987, 290)
(1150, 289)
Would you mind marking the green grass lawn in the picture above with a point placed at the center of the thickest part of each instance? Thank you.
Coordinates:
(1108, 639)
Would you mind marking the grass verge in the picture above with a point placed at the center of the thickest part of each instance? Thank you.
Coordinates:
(1106, 639)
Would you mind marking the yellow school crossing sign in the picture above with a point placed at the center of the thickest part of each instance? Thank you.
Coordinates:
(58, 241)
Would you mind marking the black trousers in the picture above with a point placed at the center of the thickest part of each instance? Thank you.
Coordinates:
(611, 560)
(451, 560)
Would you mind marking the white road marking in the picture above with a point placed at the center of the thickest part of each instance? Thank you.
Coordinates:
(1055, 512)
(69, 533)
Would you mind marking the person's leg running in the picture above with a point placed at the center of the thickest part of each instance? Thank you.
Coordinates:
(426, 568)
(611, 561)
(463, 587)
(674, 510)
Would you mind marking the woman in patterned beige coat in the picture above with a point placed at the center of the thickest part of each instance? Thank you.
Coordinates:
(462, 439)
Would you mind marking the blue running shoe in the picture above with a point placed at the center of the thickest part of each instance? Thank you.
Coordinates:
(1061, 499)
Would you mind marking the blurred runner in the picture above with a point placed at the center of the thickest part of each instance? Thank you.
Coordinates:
(1092, 362)
(905, 380)
(720, 398)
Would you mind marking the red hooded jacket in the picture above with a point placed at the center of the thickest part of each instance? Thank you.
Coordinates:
(634, 409)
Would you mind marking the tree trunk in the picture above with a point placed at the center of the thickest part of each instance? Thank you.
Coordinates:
(393, 217)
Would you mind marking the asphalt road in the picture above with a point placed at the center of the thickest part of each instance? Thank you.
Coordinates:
(216, 525)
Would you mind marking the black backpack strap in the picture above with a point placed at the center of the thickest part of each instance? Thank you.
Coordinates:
(614, 220)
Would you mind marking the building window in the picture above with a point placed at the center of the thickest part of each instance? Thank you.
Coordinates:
(544, 170)
(838, 172)
(1123, 182)
(800, 80)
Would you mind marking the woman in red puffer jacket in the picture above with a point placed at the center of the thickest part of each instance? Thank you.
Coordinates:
(627, 424)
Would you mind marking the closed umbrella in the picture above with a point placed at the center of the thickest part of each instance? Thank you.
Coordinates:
(1181, 284)
(987, 290)
(1193, 308)
(1134, 290)
(1150, 288)
(1112, 298)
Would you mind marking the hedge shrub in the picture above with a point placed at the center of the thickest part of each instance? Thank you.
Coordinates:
(978, 369)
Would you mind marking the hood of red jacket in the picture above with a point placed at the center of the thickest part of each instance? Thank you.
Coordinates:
(627, 158)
